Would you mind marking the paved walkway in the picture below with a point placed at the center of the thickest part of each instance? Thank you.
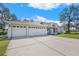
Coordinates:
(43, 46)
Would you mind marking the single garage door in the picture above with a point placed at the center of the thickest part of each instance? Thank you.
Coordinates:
(18, 32)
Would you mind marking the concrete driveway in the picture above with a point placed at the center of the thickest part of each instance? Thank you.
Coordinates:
(43, 46)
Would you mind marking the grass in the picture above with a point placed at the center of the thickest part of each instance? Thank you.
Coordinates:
(70, 35)
(3, 46)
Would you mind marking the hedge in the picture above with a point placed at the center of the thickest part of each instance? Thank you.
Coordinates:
(2, 33)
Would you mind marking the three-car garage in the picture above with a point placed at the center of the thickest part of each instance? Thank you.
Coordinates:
(23, 29)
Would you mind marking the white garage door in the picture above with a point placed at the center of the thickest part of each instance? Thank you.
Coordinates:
(37, 32)
(25, 32)
(18, 32)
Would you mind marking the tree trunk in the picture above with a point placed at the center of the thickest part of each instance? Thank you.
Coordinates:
(68, 27)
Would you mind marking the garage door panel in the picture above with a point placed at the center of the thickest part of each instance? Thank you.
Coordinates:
(18, 32)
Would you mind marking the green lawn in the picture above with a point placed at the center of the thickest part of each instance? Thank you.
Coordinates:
(3, 46)
(71, 35)
(1, 30)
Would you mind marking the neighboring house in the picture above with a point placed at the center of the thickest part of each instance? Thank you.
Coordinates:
(62, 29)
(28, 29)
(77, 26)
(52, 28)
(74, 27)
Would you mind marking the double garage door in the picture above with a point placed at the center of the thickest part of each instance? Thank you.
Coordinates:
(25, 32)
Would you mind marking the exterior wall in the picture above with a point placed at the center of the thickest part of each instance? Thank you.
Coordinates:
(53, 31)
(62, 30)
(50, 31)
(9, 32)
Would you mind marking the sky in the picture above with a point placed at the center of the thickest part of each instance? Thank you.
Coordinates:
(47, 12)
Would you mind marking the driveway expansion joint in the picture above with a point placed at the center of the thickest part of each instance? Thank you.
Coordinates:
(51, 48)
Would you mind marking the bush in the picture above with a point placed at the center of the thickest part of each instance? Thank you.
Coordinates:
(2, 33)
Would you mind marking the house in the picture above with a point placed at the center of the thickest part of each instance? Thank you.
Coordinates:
(52, 28)
(19, 29)
(24, 29)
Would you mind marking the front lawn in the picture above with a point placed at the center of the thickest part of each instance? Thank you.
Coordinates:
(70, 35)
(3, 46)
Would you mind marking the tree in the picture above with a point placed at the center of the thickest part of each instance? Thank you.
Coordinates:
(76, 15)
(68, 15)
(25, 20)
(1, 16)
(5, 15)
(13, 17)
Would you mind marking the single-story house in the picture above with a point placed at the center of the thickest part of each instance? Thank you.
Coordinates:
(24, 29)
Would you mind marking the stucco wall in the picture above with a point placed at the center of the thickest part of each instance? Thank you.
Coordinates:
(9, 33)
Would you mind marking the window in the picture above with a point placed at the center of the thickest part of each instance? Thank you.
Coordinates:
(14, 26)
(17, 26)
(21, 26)
(40, 27)
(36, 27)
(43, 27)
(32, 27)
(24, 26)
(29, 27)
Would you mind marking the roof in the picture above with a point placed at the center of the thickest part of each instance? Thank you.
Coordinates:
(24, 23)
(50, 24)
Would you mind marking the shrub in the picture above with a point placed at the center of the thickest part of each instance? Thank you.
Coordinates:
(3, 33)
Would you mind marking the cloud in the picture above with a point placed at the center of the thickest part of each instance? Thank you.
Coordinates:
(43, 19)
(68, 3)
(39, 18)
(43, 6)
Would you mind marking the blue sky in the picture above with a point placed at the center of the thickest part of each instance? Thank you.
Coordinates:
(41, 11)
